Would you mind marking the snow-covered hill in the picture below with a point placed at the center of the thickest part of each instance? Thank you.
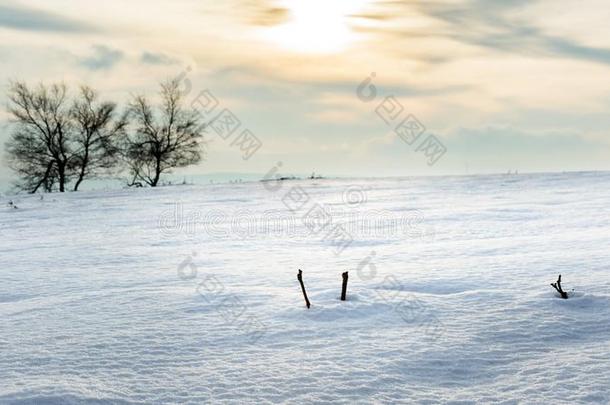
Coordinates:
(189, 294)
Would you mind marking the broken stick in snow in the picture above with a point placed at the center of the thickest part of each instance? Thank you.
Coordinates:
(557, 286)
(344, 288)
(300, 278)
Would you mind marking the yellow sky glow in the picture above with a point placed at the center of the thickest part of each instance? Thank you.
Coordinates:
(315, 26)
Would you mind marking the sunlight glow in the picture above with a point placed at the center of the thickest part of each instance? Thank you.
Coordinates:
(316, 26)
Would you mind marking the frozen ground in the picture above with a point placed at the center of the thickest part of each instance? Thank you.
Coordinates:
(126, 297)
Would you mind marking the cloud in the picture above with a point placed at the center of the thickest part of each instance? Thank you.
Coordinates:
(28, 19)
(103, 58)
(492, 24)
(488, 23)
(151, 58)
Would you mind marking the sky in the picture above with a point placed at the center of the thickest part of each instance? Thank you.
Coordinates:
(499, 85)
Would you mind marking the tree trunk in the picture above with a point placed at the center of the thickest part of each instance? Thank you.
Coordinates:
(80, 179)
(157, 172)
(44, 180)
(83, 169)
(61, 172)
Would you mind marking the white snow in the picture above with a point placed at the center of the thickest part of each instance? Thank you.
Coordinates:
(107, 297)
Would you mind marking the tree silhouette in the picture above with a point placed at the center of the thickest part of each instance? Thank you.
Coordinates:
(55, 140)
(164, 138)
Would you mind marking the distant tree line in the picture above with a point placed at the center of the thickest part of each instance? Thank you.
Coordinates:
(59, 140)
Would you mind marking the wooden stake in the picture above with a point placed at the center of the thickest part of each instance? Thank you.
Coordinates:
(300, 278)
(344, 288)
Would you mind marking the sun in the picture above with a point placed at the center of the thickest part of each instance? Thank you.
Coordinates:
(315, 26)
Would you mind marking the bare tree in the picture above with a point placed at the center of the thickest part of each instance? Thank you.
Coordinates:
(38, 148)
(55, 141)
(96, 135)
(162, 140)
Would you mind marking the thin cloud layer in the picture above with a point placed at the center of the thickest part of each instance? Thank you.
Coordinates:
(492, 24)
(30, 19)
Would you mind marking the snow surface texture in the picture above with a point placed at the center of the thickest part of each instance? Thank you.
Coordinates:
(128, 297)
